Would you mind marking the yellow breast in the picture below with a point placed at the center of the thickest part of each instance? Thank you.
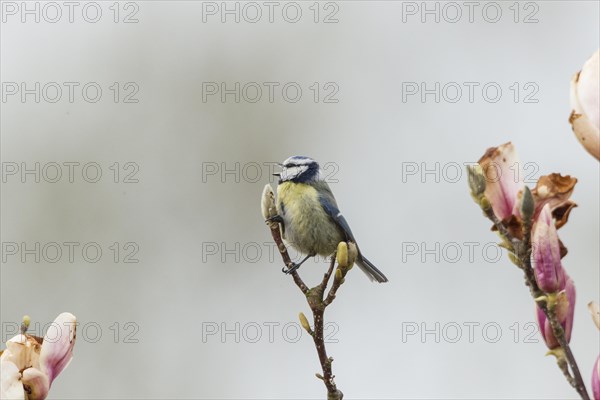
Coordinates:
(307, 226)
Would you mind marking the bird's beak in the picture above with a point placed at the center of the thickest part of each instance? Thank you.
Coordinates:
(278, 173)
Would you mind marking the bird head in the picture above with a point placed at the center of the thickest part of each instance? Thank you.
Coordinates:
(299, 169)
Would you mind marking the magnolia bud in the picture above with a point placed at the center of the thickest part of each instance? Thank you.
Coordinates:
(476, 180)
(267, 203)
(596, 379)
(527, 204)
(584, 118)
(342, 254)
(502, 182)
(352, 254)
(564, 310)
(546, 260)
(304, 322)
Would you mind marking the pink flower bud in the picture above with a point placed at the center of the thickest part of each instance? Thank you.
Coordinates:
(57, 350)
(585, 117)
(565, 311)
(504, 178)
(596, 379)
(545, 257)
(28, 368)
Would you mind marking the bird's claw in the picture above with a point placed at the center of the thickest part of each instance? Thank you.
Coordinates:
(290, 268)
(274, 218)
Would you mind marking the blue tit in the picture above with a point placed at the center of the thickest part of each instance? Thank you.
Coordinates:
(308, 213)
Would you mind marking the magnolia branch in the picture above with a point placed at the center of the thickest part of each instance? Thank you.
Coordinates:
(276, 233)
(317, 304)
(345, 255)
(522, 250)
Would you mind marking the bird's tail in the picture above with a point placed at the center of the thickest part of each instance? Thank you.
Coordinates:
(368, 268)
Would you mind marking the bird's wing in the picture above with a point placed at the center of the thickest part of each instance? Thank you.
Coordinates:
(330, 206)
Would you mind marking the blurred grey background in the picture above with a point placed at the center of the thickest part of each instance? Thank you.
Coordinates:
(205, 311)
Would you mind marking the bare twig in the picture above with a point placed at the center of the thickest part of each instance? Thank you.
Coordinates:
(318, 309)
(327, 275)
(337, 282)
(276, 233)
(314, 297)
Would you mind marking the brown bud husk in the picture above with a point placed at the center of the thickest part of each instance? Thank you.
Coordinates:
(555, 189)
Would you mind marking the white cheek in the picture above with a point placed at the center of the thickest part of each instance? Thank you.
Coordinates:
(291, 172)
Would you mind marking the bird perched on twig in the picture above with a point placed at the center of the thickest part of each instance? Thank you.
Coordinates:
(309, 215)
